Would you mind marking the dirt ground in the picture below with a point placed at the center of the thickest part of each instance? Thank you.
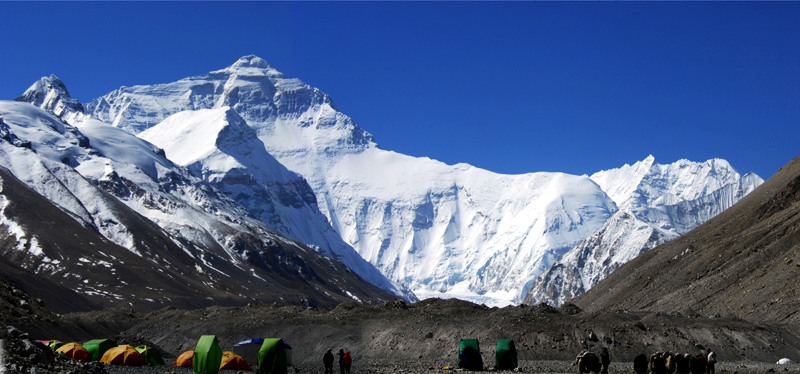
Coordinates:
(423, 337)
(540, 367)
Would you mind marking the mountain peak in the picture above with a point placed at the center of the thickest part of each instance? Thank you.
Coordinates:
(251, 61)
(51, 94)
(252, 65)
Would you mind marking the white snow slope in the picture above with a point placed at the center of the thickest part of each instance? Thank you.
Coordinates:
(657, 203)
(441, 230)
(75, 159)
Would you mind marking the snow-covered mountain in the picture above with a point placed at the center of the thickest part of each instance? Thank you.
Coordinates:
(217, 146)
(147, 213)
(657, 203)
(440, 230)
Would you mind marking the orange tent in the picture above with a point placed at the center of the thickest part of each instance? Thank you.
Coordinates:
(123, 355)
(74, 351)
(232, 361)
(186, 359)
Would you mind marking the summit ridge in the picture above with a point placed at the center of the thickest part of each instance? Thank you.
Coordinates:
(440, 230)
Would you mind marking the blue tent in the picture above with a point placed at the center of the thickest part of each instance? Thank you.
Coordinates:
(249, 349)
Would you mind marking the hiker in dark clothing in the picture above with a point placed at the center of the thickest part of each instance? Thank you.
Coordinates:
(682, 363)
(327, 360)
(640, 364)
(341, 362)
(697, 364)
(605, 360)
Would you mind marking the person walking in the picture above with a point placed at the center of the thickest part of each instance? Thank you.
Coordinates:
(711, 359)
(347, 361)
(341, 361)
(605, 360)
(327, 360)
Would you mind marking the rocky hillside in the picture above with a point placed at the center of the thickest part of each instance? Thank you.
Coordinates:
(744, 263)
(71, 267)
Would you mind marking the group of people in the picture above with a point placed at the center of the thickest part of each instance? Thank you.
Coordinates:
(668, 363)
(345, 361)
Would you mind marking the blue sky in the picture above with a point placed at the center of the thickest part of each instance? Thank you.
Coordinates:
(512, 87)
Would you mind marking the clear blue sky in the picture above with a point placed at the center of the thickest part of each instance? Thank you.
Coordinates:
(512, 87)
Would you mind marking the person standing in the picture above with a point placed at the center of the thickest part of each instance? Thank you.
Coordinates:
(347, 361)
(711, 359)
(341, 361)
(327, 360)
(640, 364)
(605, 360)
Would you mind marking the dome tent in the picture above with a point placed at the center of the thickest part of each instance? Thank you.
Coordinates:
(272, 357)
(249, 349)
(74, 351)
(469, 355)
(123, 355)
(151, 355)
(55, 344)
(232, 361)
(185, 360)
(505, 355)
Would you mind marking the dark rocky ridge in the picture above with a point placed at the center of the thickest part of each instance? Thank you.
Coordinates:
(295, 273)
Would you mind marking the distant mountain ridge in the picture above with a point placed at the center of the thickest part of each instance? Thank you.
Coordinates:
(743, 263)
(657, 203)
(437, 229)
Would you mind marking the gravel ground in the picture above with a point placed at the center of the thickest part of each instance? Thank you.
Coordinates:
(540, 367)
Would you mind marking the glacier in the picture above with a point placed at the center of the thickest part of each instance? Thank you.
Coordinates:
(657, 203)
(439, 230)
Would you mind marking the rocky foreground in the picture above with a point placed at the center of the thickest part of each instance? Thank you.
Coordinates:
(541, 367)
(396, 337)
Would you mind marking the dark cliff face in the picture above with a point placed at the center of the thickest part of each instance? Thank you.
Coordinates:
(743, 263)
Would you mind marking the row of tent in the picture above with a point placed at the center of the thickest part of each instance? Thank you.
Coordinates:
(469, 355)
(106, 351)
(273, 355)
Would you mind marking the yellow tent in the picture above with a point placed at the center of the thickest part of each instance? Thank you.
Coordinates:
(185, 360)
(74, 351)
(232, 361)
(123, 355)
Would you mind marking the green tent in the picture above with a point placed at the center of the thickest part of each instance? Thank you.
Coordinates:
(272, 357)
(207, 355)
(97, 347)
(505, 355)
(55, 344)
(151, 355)
(469, 355)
